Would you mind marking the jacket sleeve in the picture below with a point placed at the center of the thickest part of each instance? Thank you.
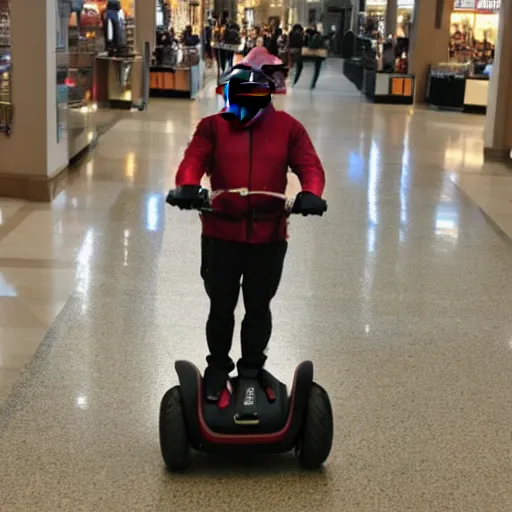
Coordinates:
(198, 155)
(304, 161)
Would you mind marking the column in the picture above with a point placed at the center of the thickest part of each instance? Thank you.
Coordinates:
(32, 157)
(145, 24)
(391, 17)
(498, 121)
(226, 5)
(429, 40)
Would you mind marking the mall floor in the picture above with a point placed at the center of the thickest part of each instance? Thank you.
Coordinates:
(400, 295)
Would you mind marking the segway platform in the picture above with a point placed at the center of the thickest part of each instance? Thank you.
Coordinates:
(256, 414)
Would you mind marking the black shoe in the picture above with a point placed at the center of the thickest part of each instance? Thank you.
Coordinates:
(214, 382)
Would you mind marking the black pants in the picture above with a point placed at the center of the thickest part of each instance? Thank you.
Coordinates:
(224, 60)
(258, 267)
(300, 65)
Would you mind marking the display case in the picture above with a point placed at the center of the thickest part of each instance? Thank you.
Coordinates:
(179, 74)
(446, 83)
(455, 86)
(119, 82)
(381, 87)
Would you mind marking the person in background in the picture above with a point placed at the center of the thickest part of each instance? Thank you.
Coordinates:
(189, 38)
(232, 39)
(250, 40)
(309, 33)
(271, 42)
(207, 44)
(316, 50)
(295, 45)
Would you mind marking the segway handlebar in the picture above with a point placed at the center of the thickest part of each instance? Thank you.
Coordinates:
(207, 197)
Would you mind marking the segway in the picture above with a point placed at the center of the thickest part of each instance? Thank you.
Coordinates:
(254, 413)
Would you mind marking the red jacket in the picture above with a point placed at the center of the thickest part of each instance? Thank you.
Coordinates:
(258, 158)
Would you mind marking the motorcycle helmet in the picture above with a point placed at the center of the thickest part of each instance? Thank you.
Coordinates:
(248, 86)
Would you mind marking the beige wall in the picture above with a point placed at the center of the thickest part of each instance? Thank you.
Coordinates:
(145, 23)
(498, 125)
(428, 45)
(32, 148)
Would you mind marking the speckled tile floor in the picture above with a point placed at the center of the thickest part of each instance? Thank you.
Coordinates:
(400, 295)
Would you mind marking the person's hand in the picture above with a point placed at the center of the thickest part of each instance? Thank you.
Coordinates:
(188, 197)
(307, 203)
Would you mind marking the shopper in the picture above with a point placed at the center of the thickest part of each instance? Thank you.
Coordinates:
(189, 38)
(231, 40)
(245, 255)
(295, 45)
(207, 44)
(271, 42)
(316, 52)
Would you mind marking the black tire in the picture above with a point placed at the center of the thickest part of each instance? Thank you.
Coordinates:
(174, 441)
(316, 438)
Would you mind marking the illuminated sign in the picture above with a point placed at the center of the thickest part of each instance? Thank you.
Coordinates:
(477, 5)
(488, 5)
(464, 5)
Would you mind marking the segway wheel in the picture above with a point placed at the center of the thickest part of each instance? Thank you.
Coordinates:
(316, 440)
(174, 441)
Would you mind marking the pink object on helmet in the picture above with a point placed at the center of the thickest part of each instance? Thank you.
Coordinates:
(259, 57)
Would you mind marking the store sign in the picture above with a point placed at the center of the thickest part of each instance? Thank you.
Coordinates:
(376, 3)
(405, 4)
(477, 5)
(488, 5)
(464, 5)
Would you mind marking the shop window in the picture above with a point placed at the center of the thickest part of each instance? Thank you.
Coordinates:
(6, 108)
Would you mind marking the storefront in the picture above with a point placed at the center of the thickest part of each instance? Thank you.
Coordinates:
(177, 67)
(473, 31)
(463, 82)
(104, 70)
(374, 21)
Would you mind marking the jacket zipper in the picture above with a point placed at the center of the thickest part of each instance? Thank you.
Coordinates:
(249, 219)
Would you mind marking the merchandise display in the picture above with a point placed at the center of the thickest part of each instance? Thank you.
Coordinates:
(109, 23)
(381, 75)
(454, 86)
(176, 71)
(473, 32)
(6, 107)
(100, 26)
(177, 67)
(463, 83)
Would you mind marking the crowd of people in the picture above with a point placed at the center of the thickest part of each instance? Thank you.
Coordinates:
(223, 38)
